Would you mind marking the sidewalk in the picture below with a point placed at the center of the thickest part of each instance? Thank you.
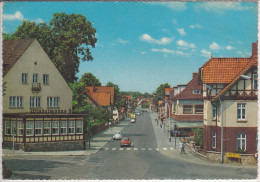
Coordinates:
(96, 143)
(163, 142)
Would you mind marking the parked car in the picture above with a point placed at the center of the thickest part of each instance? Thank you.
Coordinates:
(132, 120)
(117, 135)
(125, 141)
(137, 113)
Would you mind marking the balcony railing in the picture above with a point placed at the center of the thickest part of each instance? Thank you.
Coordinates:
(36, 87)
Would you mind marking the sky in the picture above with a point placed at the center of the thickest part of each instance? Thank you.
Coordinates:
(144, 44)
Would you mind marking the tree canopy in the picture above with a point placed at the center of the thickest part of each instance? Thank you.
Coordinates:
(160, 92)
(67, 40)
(88, 79)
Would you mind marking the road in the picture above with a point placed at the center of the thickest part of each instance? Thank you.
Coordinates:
(141, 161)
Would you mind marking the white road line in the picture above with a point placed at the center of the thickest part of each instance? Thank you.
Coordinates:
(121, 149)
(128, 149)
(165, 149)
(150, 149)
(157, 149)
(142, 148)
(106, 148)
(113, 148)
(135, 148)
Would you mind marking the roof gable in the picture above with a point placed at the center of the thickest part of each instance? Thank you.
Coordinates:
(101, 95)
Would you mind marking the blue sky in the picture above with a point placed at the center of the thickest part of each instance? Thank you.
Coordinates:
(141, 45)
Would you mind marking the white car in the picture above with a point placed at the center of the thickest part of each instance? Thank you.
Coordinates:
(132, 120)
(117, 135)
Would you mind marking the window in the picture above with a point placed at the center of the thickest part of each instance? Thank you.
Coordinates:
(79, 127)
(55, 127)
(213, 139)
(38, 128)
(255, 81)
(8, 127)
(198, 109)
(47, 128)
(45, 79)
(29, 128)
(35, 101)
(241, 111)
(53, 101)
(14, 128)
(187, 109)
(24, 77)
(20, 128)
(241, 141)
(15, 102)
(196, 91)
(214, 111)
(35, 78)
(71, 127)
(63, 127)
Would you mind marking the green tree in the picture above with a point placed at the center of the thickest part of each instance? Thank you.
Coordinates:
(88, 79)
(198, 136)
(117, 96)
(67, 40)
(160, 92)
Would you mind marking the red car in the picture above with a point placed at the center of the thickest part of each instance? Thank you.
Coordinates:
(125, 141)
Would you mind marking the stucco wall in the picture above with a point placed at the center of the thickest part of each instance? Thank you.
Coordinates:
(57, 86)
(179, 110)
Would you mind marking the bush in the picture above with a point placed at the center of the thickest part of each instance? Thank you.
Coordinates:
(241, 151)
(198, 136)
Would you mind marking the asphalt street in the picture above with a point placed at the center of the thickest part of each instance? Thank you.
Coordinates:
(140, 161)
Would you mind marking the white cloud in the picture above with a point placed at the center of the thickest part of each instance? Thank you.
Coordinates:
(17, 16)
(162, 41)
(143, 52)
(185, 44)
(121, 41)
(195, 26)
(244, 54)
(229, 47)
(169, 51)
(176, 6)
(220, 7)
(205, 53)
(214, 46)
(181, 31)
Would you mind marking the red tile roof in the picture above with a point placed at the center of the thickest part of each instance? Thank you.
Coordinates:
(13, 50)
(187, 93)
(103, 95)
(191, 118)
(222, 70)
(251, 64)
(100, 89)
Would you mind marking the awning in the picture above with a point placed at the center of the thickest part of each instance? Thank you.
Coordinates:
(189, 125)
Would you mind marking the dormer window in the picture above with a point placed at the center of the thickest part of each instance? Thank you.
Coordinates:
(196, 91)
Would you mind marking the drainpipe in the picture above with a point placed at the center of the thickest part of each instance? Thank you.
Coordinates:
(221, 147)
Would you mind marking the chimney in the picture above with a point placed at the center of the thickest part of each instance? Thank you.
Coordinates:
(254, 49)
(194, 75)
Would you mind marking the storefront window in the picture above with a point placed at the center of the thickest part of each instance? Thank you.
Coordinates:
(63, 127)
(38, 128)
(79, 127)
(55, 127)
(47, 128)
(71, 127)
(29, 128)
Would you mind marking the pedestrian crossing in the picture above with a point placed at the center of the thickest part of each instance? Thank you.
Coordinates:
(138, 149)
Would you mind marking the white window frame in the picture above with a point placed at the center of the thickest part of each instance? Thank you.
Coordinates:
(196, 91)
(79, 126)
(46, 79)
(38, 127)
(54, 126)
(14, 128)
(35, 102)
(20, 128)
(71, 127)
(7, 127)
(214, 108)
(29, 129)
(196, 107)
(255, 84)
(24, 77)
(63, 127)
(240, 140)
(15, 102)
(53, 102)
(213, 141)
(240, 108)
(47, 127)
(35, 77)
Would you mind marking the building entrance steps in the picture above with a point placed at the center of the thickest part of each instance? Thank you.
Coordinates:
(97, 142)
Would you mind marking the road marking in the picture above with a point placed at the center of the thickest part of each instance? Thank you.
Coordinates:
(113, 148)
(150, 149)
(142, 148)
(157, 149)
(121, 149)
(128, 149)
(165, 149)
(135, 148)
(106, 148)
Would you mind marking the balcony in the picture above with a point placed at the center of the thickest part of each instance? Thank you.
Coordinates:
(36, 87)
